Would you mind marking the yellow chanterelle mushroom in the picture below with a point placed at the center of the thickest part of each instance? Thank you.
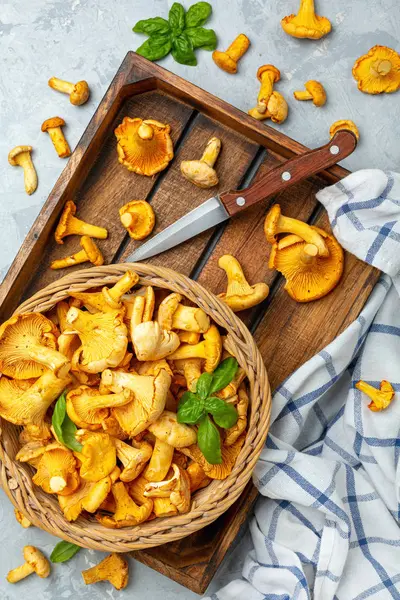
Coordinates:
(315, 91)
(108, 299)
(270, 104)
(228, 60)
(174, 315)
(114, 568)
(89, 253)
(345, 124)
(54, 127)
(378, 71)
(71, 225)
(380, 399)
(78, 92)
(306, 24)
(201, 172)
(240, 294)
(138, 218)
(20, 156)
(35, 562)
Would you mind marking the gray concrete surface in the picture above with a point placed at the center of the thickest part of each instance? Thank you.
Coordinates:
(76, 39)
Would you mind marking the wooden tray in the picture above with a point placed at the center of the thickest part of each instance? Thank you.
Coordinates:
(287, 333)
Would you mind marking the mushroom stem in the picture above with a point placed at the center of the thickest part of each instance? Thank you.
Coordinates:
(58, 482)
(20, 573)
(238, 47)
(211, 152)
(61, 86)
(160, 461)
(78, 227)
(380, 68)
(300, 95)
(129, 219)
(237, 283)
(70, 261)
(56, 361)
(59, 142)
(266, 89)
(24, 160)
(309, 253)
(303, 230)
(307, 8)
(123, 285)
(145, 132)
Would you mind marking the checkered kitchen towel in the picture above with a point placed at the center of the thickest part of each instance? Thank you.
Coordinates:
(327, 523)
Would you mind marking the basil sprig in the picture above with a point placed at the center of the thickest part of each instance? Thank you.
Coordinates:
(196, 408)
(180, 35)
(63, 551)
(63, 426)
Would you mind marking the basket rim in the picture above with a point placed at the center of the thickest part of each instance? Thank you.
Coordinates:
(208, 504)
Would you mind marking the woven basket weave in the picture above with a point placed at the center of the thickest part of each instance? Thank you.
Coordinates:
(208, 504)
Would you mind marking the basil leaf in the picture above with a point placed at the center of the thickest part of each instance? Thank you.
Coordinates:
(223, 374)
(158, 25)
(176, 18)
(198, 14)
(203, 385)
(182, 51)
(202, 38)
(209, 442)
(63, 426)
(225, 415)
(156, 47)
(63, 551)
(190, 410)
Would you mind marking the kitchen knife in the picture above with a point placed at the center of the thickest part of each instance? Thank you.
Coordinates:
(227, 204)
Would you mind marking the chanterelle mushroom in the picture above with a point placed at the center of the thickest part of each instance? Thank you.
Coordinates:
(306, 24)
(270, 104)
(86, 407)
(22, 520)
(144, 147)
(128, 513)
(138, 218)
(78, 92)
(174, 315)
(160, 461)
(167, 429)
(35, 562)
(201, 172)
(150, 394)
(108, 299)
(113, 568)
(54, 127)
(315, 91)
(56, 472)
(104, 338)
(150, 342)
(87, 497)
(70, 225)
(190, 368)
(276, 223)
(98, 456)
(380, 399)
(344, 124)
(232, 434)
(197, 477)
(308, 275)
(228, 60)
(20, 156)
(210, 349)
(219, 471)
(27, 347)
(177, 489)
(239, 294)
(378, 71)
(134, 458)
(89, 253)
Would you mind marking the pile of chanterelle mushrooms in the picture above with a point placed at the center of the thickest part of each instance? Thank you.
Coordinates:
(121, 397)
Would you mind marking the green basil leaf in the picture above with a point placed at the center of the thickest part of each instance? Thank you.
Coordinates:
(63, 426)
(182, 51)
(156, 47)
(154, 26)
(223, 374)
(63, 551)
(198, 14)
(202, 38)
(209, 441)
(203, 385)
(190, 409)
(176, 18)
(225, 415)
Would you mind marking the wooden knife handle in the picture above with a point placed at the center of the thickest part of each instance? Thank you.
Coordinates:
(341, 145)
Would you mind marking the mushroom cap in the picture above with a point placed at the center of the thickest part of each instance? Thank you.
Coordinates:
(277, 108)
(15, 152)
(87, 408)
(98, 456)
(197, 477)
(167, 309)
(144, 156)
(56, 472)
(68, 211)
(306, 24)
(37, 561)
(32, 451)
(134, 458)
(88, 497)
(317, 90)
(138, 217)
(274, 72)
(243, 301)
(311, 280)
(378, 71)
(52, 123)
(150, 342)
(199, 173)
(346, 124)
(229, 456)
(224, 61)
(80, 93)
(168, 430)
(114, 568)
(17, 334)
(92, 250)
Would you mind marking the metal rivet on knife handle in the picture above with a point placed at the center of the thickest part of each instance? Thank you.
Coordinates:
(286, 176)
(334, 150)
(240, 201)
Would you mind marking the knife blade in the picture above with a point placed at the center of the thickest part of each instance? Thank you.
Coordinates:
(225, 205)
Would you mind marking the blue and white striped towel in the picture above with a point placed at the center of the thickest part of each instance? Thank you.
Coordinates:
(327, 523)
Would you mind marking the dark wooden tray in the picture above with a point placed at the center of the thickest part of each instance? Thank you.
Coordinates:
(287, 333)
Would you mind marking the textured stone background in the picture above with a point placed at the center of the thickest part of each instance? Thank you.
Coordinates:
(88, 39)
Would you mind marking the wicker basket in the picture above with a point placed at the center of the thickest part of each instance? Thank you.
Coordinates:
(208, 504)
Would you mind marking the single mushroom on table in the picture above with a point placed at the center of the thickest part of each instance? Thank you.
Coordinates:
(138, 218)
(54, 127)
(210, 349)
(20, 156)
(315, 91)
(71, 225)
(144, 147)
(380, 399)
(108, 299)
(378, 71)
(239, 293)
(242, 405)
(270, 104)
(201, 172)
(35, 562)
(306, 24)
(172, 314)
(90, 253)
(78, 92)
(114, 569)
(228, 60)
(346, 124)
